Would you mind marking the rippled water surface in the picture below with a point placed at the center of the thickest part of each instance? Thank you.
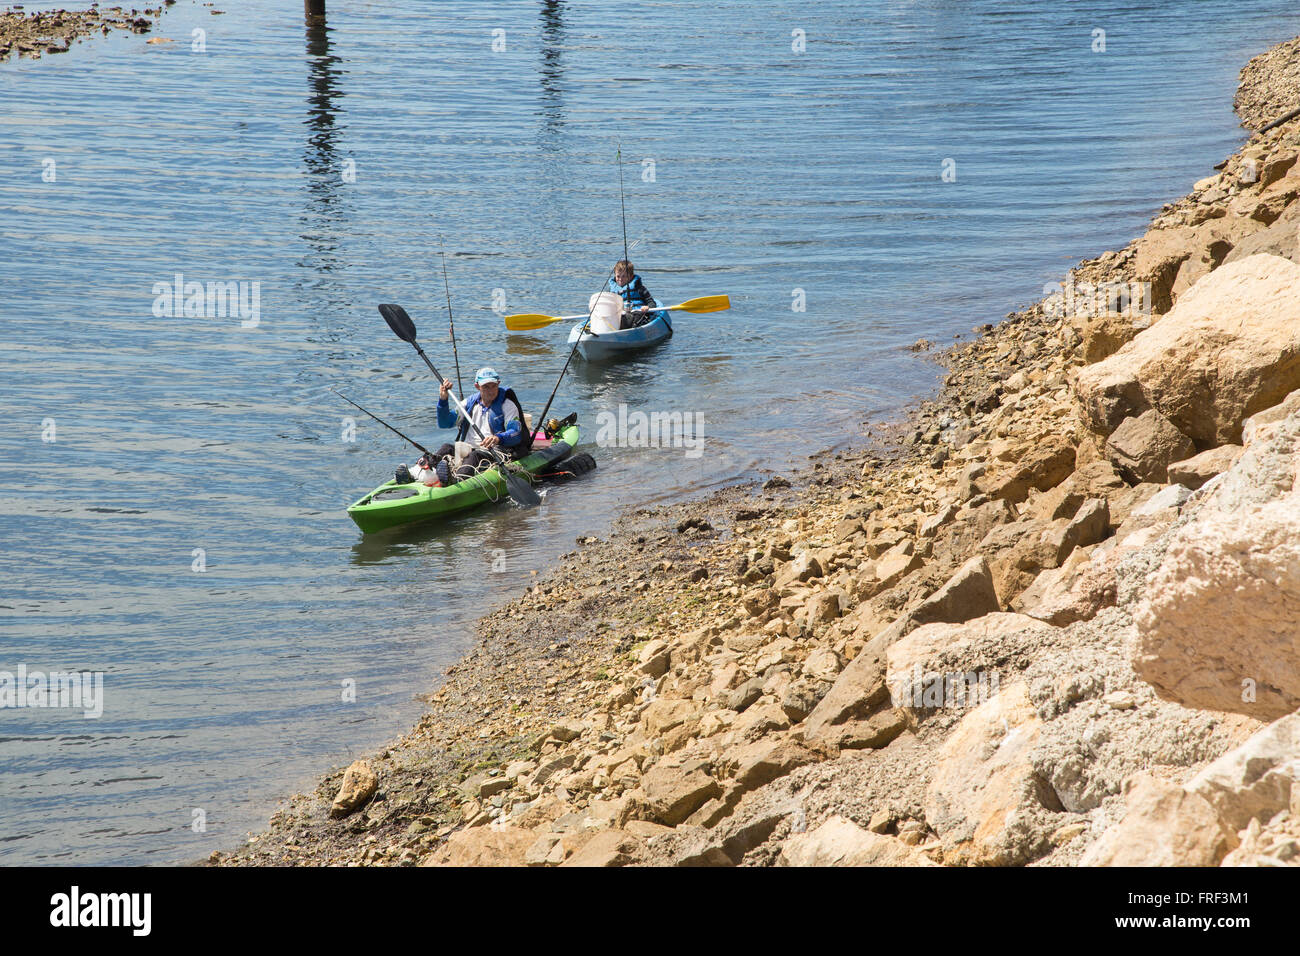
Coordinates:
(325, 164)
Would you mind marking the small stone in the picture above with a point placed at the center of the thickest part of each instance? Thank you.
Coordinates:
(1063, 835)
(358, 786)
(746, 694)
(881, 820)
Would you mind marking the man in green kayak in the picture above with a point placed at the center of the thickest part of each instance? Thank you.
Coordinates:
(496, 413)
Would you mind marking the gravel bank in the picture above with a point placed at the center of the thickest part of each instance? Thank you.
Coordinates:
(33, 35)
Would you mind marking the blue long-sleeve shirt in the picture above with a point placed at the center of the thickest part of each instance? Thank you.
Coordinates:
(510, 432)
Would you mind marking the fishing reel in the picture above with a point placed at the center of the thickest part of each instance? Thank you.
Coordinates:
(556, 425)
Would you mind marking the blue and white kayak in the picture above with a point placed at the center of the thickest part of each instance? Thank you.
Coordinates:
(596, 346)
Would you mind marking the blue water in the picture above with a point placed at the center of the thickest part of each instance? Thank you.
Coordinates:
(325, 165)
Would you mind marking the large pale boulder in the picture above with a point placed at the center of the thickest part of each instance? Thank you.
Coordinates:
(941, 665)
(1144, 446)
(487, 846)
(1197, 470)
(1197, 824)
(984, 793)
(1163, 825)
(967, 594)
(841, 842)
(1256, 780)
(1217, 627)
(1229, 348)
(1076, 591)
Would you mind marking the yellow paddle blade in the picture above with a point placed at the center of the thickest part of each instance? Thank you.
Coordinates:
(707, 303)
(530, 321)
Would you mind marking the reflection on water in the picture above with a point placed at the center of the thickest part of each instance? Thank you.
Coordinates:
(519, 345)
(551, 74)
(325, 177)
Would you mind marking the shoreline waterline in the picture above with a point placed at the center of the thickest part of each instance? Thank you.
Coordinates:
(665, 591)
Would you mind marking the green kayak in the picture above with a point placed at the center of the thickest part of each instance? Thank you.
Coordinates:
(392, 504)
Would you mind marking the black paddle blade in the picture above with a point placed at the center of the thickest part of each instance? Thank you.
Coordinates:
(399, 322)
(520, 490)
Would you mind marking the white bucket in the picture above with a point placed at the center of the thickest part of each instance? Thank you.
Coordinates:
(606, 312)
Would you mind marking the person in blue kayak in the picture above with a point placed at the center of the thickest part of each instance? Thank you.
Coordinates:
(638, 303)
(500, 419)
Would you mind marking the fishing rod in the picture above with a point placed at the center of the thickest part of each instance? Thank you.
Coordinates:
(452, 325)
(382, 422)
(621, 204)
(618, 156)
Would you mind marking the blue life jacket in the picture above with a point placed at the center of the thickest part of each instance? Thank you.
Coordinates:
(635, 295)
(513, 437)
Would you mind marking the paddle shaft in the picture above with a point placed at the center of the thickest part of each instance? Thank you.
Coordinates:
(529, 321)
(459, 406)
(571, 318)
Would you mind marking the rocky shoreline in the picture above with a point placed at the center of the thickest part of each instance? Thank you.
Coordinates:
(33, 35)
(1050, 620)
